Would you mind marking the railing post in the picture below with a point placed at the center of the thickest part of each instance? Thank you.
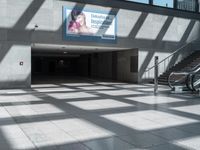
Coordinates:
(156, 76)
(168, 63)
(164, 66)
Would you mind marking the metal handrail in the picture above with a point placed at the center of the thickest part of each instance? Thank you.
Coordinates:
(177, 73)
(176, 51)
(195, 69)
(189, 76)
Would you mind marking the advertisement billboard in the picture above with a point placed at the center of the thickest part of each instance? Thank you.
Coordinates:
(88, 25)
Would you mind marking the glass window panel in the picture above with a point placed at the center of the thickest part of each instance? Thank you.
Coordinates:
(189, 5)
(164, 3)
(139, 1)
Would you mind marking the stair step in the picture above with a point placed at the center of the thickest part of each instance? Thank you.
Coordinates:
(165, 79)
(163, 83)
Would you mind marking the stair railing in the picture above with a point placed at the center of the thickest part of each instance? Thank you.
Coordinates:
(166, 61)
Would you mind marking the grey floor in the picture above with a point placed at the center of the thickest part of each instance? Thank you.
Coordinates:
(96, 115)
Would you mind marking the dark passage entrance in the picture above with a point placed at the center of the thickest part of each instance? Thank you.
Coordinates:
(56, 68)
(53, 67)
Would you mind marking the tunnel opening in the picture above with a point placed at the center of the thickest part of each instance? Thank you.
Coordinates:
(65, 66)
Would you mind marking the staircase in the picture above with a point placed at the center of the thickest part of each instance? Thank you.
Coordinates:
(185, 65)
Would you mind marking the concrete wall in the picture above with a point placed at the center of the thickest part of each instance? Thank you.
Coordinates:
(124, 66)
(152, 30)
(196, 46)
(15, 65)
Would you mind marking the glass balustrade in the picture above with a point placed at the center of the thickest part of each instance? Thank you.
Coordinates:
(188, 80)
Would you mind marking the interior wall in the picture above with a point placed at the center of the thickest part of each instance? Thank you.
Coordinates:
(136, 27)
(196, 46)
(114, 65)
(124, 72)
(15, 65)
(152, 30)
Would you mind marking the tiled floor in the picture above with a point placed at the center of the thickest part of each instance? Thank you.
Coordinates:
(95, 115)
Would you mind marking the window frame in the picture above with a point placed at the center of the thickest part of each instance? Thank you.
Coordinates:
(197, 5)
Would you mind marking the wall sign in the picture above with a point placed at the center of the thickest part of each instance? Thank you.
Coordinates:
(89, 25)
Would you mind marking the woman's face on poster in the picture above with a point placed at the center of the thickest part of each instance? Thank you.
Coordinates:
(81, 19)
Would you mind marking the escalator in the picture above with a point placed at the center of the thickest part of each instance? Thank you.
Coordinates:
(193, 81)
(186, 81)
